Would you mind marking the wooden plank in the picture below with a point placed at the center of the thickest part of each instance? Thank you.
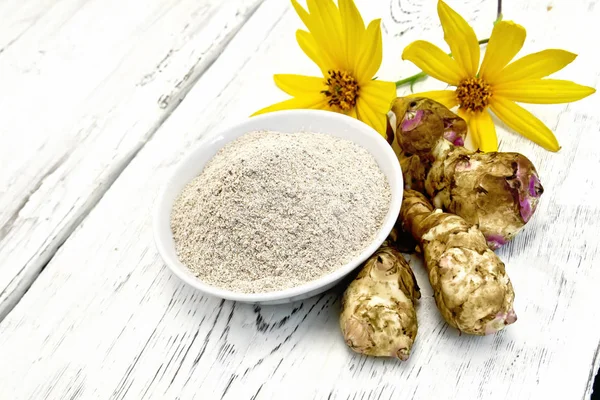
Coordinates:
(105, 319)
(89, 82)
(18, 17)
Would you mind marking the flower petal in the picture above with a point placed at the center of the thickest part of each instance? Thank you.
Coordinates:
(369, 59)
(327, 29)
(302, 13)
(300, 102)
(483, 131)
(467, 117)
(470, 139)
(461, 38)
(543, 91)
(536, 65)
(523, 122)
(352, 113)
(325, 39)
(354, 31)
(379, 95)
(297, 85)
(505, 42)
(370, 117)
(433, 61)
(445, 97)
(316, 54)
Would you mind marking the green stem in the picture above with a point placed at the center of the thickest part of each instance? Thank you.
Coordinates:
(499, 13)
(422, 75)
(411, 79)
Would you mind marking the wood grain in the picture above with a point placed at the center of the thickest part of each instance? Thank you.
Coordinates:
(89, 82)
(106, 319)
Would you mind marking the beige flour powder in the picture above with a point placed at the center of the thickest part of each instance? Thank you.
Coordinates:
(272, 210)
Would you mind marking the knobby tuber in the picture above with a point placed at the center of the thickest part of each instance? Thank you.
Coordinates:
(498, 192)
(471, 288)
(378, 308)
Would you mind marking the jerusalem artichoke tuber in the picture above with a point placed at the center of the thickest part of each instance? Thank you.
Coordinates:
(498, 192)
(471, 288)
(378, 316)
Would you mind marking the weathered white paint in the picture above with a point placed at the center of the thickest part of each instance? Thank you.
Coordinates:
(106, 319)
(84, 86)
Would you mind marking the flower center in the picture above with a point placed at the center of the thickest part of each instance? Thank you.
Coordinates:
(473, 94)
(342, 90)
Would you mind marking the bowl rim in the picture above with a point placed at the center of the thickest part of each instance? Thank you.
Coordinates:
(182, 271)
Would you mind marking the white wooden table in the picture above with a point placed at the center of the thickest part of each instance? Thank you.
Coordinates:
(99, 99)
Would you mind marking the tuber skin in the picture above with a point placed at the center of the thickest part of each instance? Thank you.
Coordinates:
(471, 288)
(378, 308)
(498, 192)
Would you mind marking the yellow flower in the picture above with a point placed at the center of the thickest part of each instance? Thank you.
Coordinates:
(348, 55)
(498, 84)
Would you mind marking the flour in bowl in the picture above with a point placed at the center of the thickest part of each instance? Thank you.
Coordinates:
(275, 210)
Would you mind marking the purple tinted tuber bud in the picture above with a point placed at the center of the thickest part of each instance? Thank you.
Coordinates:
(411, 121)
(501, 320)
(535, 187)
(450, 136)
(525, 209)
(528, 187)
(454, 138)
(495, 241)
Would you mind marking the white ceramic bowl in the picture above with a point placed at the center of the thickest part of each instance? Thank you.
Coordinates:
(282, 121)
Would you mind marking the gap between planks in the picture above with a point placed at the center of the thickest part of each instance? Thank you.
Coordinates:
(20, 283)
